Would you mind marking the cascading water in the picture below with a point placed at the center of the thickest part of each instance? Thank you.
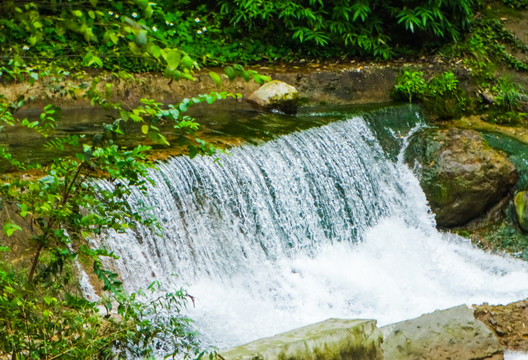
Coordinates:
(312, 225)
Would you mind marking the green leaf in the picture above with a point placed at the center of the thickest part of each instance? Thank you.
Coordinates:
(10, 228)
(77, 13)
(113, 38)
(173, 58)
(183, 106)
(97, 60)
(216, 78)
(188, 62)
(141, 38)
(230, 72)
(245, 75)
(144, 129)
(148, 11)
(155, 51)
(123, 114)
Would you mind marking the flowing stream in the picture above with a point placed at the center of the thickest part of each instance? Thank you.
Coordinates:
(316, 224)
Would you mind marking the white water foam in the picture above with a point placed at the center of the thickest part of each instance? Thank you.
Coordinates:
(515, 355)
(397, 273)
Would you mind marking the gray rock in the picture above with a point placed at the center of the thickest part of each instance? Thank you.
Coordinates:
(276, 95)
(445, 334)
(487, 97)
(331, 339)
(462, 177)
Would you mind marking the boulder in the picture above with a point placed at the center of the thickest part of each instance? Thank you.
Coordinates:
(444, 334)
(275, 95)
(332, 339)
(521, 209)
(461, 176)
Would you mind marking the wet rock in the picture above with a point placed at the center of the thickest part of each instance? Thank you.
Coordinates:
(331, 339)
(445, 334)
(521, 209)
(276, 95)
(462, 177)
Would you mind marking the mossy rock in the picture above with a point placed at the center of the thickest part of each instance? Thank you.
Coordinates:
(276, 95)
(461, 176)
(521, 209)
(333, 339)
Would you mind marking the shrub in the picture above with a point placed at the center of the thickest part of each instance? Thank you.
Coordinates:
(441, 96)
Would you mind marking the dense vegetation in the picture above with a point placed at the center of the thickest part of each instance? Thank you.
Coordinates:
(137, 35)
(49, 214)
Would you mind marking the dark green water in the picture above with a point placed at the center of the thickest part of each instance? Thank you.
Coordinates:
(225, 124)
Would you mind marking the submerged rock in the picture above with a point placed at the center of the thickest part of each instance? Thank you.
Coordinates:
(462, 177)
(332, 339)
(444, 334)
(276, 95)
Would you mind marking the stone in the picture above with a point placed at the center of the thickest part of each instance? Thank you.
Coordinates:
(462, 177)
(487, 97)
(276, 95)
(444, 334)
(331, 339)
(521, 209)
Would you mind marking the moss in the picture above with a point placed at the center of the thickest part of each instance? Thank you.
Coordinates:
(520, 209)
(476, 123)
(333, 339)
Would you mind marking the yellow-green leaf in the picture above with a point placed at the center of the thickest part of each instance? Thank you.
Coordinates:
(173, 58)
(148, 12)
(215, 78)
(144, 129)
(141, 38)
(155, 51)
(187, 62)
(10, 228)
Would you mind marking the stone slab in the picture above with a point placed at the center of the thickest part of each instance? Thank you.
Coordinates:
(332, 339)
(444, 334)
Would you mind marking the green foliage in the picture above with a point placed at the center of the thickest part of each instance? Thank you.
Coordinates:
(410, 84)
(509, 99)
(504, 236)
(365, 28)
(516, 4)
(165, 35)
(508, 95)
(60, 325)
(52, 213)
(113, 35)
(441, 96)
(488, 43)
(42, 315)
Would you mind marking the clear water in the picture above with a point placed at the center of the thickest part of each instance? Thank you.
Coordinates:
(315, 224)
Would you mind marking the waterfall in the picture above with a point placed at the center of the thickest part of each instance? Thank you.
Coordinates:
(315, 224)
